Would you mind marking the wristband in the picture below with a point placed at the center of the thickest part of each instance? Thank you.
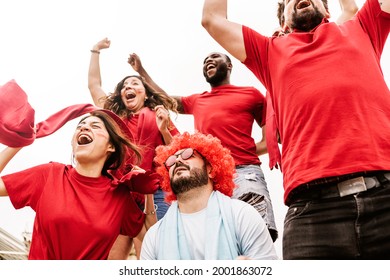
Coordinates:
(153, 211)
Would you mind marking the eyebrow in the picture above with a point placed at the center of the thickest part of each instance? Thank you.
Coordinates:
(93, 122)
(212, 55)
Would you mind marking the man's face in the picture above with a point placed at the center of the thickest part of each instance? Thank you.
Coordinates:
(215, 68)
(188, 171)
(304, 15)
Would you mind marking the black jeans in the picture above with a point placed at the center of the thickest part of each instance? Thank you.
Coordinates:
(351, 227)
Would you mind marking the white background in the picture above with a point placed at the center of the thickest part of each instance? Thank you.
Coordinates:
(45, 48)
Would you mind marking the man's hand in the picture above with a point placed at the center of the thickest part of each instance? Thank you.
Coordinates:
(135, 62)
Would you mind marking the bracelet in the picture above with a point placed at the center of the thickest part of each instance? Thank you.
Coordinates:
(95, 51)
(153, 211)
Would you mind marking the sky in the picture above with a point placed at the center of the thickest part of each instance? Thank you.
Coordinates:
(46, 49)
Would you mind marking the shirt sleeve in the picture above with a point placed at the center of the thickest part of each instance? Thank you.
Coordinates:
(134, 218)
(376, 23)
(256, 48)
(149, 248)
(25, 187)
(188, 103)
(253, 236)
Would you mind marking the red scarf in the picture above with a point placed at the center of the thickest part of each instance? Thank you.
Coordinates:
(17, 117)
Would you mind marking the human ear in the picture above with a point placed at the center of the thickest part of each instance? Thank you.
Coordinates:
(209, 169)
(111, 148)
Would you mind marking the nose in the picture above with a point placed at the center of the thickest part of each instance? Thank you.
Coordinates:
(178, 163)
(178, 158)
(128, 86)
(85, 127)
(207, 60)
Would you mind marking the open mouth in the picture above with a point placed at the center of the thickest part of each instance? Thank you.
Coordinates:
(303, 4)
(130, 95)
(84, 139)
(209, 67)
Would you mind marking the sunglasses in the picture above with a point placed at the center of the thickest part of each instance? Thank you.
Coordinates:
(185, 154)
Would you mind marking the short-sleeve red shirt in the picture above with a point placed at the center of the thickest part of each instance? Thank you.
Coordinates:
(77, 217)
(330, 99)
(228, 113)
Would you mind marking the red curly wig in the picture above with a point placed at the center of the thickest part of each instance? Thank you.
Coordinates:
(222, 163)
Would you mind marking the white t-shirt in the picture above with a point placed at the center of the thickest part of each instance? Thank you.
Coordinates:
(252, 234)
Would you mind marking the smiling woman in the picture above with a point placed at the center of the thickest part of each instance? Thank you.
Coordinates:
(95, 140)
(81, 210)
(144, 109)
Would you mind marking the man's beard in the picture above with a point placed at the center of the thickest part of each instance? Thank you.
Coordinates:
(198, 177)
(220, 75)
(306, 21)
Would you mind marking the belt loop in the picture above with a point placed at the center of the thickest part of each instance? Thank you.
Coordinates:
(383, 177)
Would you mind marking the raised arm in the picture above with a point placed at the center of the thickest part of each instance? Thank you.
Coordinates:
(348, 10)
(385, 5)
(135, 62)
(94, 77)
(5, 156)
(228, 34)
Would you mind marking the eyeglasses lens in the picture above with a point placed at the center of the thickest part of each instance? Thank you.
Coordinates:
(185, 154)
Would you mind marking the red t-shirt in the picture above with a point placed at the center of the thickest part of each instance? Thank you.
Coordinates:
(77, 217)
(330, 99)
(228, 113)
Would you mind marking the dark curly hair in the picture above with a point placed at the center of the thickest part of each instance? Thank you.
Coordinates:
(113, 101)
(210, 147)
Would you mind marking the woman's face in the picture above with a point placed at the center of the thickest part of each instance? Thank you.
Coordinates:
(91, 141)
(133, 94)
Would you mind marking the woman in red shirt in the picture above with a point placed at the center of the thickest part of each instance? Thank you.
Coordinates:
(81, 210)
(144, 108)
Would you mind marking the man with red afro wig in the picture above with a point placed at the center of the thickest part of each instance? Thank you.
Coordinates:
(203, 222)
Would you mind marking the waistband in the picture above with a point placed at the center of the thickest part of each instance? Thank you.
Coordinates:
(338, 186)
(246, 165)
